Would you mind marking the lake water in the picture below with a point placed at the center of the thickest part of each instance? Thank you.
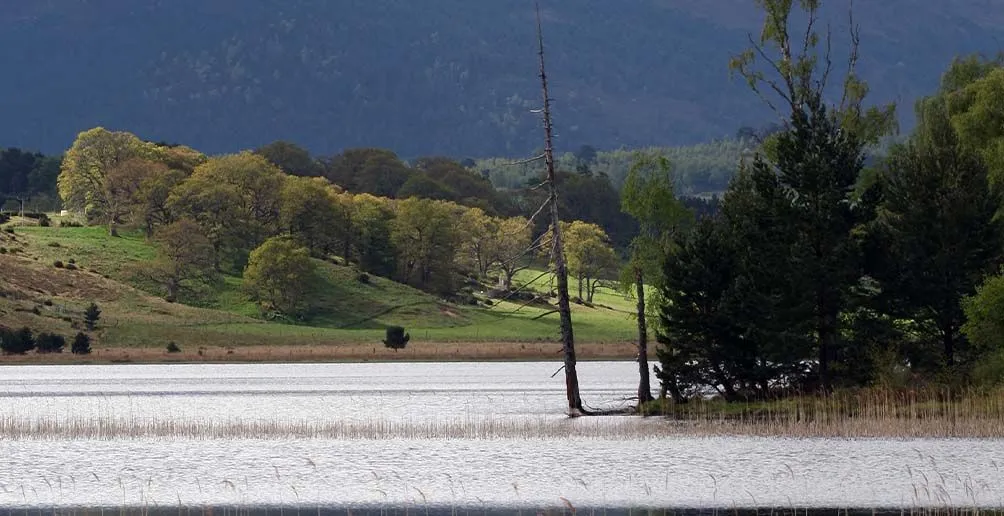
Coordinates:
(419, 435)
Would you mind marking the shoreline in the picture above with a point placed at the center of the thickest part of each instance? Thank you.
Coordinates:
(335, 353)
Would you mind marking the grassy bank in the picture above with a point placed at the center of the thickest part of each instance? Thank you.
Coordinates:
(347, 323)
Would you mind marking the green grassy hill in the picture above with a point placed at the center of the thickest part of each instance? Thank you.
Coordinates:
(101, 268)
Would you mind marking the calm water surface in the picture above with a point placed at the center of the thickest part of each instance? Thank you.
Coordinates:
(393, 468)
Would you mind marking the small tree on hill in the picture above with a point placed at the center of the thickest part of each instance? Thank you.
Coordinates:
(396, 338)
(16, 342)
(280, 274)
(91, 316)
(50, 343)
(81, 344)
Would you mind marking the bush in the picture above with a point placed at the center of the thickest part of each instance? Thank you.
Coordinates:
(4, 218)
(9, 230)
(70, 224)
(16, 342)
(363, 278)
(91, 316)
(173, 348)
(71, 267)
(81, 344)
(54, 244)
(396, 338)
(58, 264)
(3, 250)
(71, 260)
(50, 343)
(44, 221)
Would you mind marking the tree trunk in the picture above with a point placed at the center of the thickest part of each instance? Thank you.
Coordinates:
(948, 339)
(644, 385)
(561, 272)
(826, 333)
(580, 287)
(113, 229)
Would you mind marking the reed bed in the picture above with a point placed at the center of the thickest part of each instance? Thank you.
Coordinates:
(802, 418)
(860, 413)
(49, 427)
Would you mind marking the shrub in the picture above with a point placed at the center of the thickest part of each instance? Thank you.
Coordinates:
(47, 302)
(70, 224)
(44, 221)
(363, 278)
(54, 244)
(9, 230)
(49, 343)
(58, 264)
(71, 260)
(91, 316)
(396, 338)
(16, 342)
(173, 348)
(71, 267)
(36, 311)
(4, 218)
(81, 344)
(3, 250)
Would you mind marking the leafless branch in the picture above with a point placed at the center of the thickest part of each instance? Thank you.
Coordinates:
(524, 162)
(852, 59)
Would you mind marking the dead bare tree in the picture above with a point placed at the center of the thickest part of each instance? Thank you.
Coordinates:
(560, 270)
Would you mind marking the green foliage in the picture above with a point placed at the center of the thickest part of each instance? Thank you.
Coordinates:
(280, 276)
(49, 343)
(91, 316)
(16, 342)
(396, 338)
(375, 171)
(235, 198)
(941, 237)
(791, 74)
(649, 196)
(984, 311)
(312, 211)
(372, 245)
(426, 239)
(81, 344)
(291, 158)
(185, 259)
(172, 347)
(971, 90)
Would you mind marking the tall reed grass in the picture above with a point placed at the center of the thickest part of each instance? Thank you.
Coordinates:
(858, 413)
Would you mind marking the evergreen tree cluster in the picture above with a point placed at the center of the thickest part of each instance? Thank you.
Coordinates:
(819, 274)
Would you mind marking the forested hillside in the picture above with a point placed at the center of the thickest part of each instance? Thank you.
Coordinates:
(425, 78)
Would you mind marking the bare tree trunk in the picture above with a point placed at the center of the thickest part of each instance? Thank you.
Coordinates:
(561, 272)
(644, 384)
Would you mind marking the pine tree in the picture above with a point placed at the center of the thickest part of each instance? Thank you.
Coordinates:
(91, 316)
(937, 221)
(81, 344)
(818, 165)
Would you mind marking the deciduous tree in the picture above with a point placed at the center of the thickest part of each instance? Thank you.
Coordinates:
(95, 168)
(648, 195)
(185, 258)
(280, 276)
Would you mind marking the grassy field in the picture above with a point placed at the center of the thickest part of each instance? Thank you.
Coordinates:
(348, 313)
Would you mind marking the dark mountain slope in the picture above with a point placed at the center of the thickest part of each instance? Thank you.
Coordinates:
(432, 77)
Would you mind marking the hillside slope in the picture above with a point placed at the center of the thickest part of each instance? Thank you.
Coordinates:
(36, 293)
(446, 76)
